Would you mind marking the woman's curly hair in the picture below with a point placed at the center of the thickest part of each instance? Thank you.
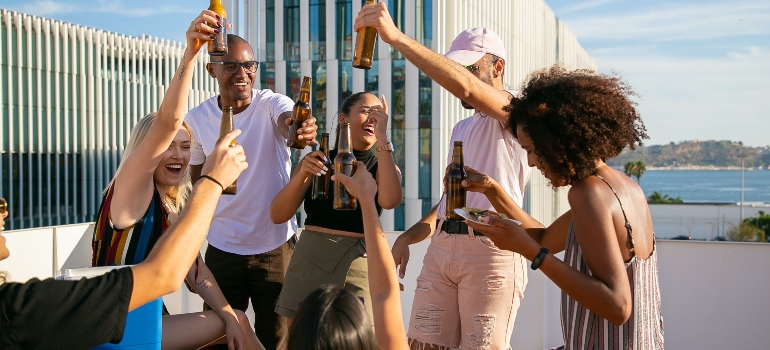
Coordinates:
(575, 118)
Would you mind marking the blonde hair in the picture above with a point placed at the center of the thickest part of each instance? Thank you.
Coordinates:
(177, 194)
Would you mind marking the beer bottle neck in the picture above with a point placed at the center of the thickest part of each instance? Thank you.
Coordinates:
(227, 124)
(304, 96)
(344, 141)
(325, 145)
(457, 156)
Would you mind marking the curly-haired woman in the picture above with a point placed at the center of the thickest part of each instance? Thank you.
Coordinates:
(570, 122)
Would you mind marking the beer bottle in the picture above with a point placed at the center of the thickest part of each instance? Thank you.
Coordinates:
(364, 51)
(225, 128)
(455, 192)
(344, 163)
(321, 183)
(300, 114)
(218, 46)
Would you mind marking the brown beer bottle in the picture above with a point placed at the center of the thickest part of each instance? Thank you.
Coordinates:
(218, 46)
(225, 128)
(455, 192)
(321, 183)
(300, 114)
(364, 51)
(344, 163)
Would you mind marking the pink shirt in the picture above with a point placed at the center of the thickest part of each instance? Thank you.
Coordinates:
(490, 148)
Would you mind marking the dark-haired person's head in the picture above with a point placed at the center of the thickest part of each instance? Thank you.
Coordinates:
(236, 71)
(354, 109)
(567, 121)
(331, 318)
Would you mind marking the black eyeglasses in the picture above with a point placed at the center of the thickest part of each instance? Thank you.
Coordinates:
(232, 67)
(473, 67)
(3, 206)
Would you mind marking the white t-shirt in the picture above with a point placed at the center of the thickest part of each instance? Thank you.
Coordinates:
(242, 222)
(491, 149)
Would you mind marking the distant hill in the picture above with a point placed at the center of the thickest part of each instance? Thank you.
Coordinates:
(696, 154)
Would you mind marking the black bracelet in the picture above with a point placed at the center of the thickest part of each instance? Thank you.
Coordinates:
(213, 179)
(539, 258)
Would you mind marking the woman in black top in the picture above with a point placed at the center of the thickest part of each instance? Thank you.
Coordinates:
(331, 248)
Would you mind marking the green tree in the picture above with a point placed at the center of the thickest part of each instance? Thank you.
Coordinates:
(745, 232)
(761, 222)
(659, 198)
(635, 169)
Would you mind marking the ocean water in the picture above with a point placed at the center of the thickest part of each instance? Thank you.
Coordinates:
(702, 186)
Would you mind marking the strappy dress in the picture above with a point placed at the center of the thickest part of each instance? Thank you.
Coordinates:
(584, 329)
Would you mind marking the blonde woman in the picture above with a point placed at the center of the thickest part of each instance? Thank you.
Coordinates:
(143, 199)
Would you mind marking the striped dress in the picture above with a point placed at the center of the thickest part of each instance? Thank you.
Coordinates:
(584, 329)
(132, 244)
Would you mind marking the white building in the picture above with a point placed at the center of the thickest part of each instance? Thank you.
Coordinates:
(296, 38)
(69, 96)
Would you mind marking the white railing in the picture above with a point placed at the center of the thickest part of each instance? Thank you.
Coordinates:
(714, 293)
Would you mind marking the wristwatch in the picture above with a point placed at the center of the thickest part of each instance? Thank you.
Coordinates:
(386, 147)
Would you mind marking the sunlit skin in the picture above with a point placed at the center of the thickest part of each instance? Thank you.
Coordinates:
(362, 125)
(174, 161)
(486, 72)
(234, 89)
(532, 158)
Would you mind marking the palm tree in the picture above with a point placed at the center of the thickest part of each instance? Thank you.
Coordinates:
(639, 170)
(635, 169)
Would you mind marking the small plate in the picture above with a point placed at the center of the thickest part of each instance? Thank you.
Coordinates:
(465, 213)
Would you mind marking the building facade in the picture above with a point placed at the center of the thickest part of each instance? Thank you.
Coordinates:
(295, 38)
(69, 98)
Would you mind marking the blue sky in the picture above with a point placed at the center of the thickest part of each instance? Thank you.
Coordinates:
(702, 68)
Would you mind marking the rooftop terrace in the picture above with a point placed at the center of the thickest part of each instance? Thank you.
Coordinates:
(715, 294)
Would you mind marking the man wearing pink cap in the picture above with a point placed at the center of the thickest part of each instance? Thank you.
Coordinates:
(468, 291)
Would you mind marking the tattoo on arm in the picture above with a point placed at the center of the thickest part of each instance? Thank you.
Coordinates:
(181, 71)
(203, 285)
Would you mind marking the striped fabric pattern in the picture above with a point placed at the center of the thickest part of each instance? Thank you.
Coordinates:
(130, 245)
(584, 329)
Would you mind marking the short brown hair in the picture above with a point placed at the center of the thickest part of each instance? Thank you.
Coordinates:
(575, 118)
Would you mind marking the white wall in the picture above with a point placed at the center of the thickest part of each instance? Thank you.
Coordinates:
(714, 294)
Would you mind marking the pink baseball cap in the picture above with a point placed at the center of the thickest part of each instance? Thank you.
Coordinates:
(472, 44)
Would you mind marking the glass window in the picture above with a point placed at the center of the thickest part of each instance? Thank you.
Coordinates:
(270, 30)
(397, 113)
(424, 25)
(344, 30)
(319, 96)
(372, 80)
(291, 30)
(267, 75)
(346, 80)
(293, 79)
(318, 30)
(396, 9)
(424, 126)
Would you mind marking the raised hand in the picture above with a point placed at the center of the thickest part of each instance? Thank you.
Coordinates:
(226, 162)
(377, 16)
(307, 131)
(361, 185)
(477, 181)
(380, 116)
(200, 32)
(314, 164)
(505, 233)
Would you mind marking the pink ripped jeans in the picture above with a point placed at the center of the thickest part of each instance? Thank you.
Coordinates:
(467, 293)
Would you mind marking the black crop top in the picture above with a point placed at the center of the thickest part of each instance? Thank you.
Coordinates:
(321, 213)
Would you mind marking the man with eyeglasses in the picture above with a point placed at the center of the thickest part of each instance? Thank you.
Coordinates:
(468, 291)
(247, 253)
